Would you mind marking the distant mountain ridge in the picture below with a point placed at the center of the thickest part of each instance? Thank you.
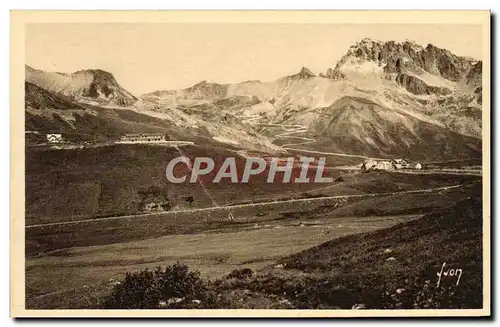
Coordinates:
(90, 85)
(357, 106)
(407, 58)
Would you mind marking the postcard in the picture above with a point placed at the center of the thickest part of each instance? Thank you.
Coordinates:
(250, 163)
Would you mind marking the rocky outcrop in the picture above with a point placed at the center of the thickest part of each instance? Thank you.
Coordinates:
(416, 86)
(333, 74)
(479, 93)
(304, 73)
(400, 76)
(408, 56)
(435, 60)
(474, 76)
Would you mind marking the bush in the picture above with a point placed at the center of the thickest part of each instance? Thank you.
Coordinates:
(176, 286)
(240, 273)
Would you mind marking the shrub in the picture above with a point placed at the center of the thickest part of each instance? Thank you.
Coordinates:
(173, 287)
(240, 273)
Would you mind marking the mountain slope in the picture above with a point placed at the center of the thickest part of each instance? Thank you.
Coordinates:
(46, 112)
(92, 86)
(362, 126)
(38, 98)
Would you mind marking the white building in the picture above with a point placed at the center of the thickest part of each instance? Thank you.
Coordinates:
(418, 165)
(54, 138)
(400, 163)
(371, 164)
(143, 138)
(384, 165)
(368, 164)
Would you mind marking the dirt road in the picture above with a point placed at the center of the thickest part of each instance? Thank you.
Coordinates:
(246, 205)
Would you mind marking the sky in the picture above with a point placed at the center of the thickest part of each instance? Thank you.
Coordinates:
(147, 57)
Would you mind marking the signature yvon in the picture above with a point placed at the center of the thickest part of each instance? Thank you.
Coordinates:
(451, 272)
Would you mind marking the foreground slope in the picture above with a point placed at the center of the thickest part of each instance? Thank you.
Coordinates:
(398, 266)
(392, 268)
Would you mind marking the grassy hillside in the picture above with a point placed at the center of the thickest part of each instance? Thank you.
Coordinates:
(117, 179)
(121, 179)
(47, 112)
(92, 123)
(316, 212)
(337, 274)
(360, 264)
(392, 268)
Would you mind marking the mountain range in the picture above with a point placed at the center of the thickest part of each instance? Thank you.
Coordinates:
(379, 99)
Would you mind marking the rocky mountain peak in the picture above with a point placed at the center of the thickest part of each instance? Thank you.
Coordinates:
(204, 84)
(305, 73)
(408, 56)
(205, 89)
(99, 75)
(83, 85)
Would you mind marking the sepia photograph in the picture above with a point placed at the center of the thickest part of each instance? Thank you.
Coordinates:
(274, 164)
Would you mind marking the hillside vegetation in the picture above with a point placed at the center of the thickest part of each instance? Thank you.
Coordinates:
(393, 268)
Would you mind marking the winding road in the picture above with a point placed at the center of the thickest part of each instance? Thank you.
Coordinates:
(288, 133)
(290, 130)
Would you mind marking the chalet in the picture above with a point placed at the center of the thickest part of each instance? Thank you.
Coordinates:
(384, 165)
(400, 163)
(368, 164)
(371, 164)
(54, 138)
